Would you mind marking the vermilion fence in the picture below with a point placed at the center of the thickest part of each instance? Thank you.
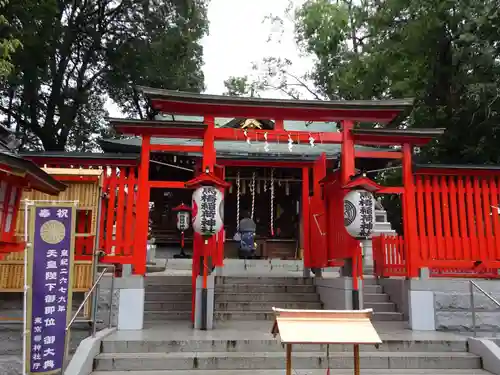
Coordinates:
(390, 260)
(388, 256)
(117, 219)
(457, 231)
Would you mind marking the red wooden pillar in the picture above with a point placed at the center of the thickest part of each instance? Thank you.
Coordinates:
(409, 213)
(203, 248)
(317, 212)
(348, 169)
(142, 221)
(347, 160)
(305, 218)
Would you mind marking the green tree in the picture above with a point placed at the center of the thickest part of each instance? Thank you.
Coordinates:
(78, 53)
(445, 54)
(239, 86)
(8, 44)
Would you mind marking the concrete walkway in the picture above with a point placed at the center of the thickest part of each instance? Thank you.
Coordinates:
(255, 330)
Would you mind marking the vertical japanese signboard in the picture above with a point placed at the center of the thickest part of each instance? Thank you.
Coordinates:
(50, 266)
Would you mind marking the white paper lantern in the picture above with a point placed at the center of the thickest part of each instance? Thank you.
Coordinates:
(182, 220)
(208, 210)
(359, 213)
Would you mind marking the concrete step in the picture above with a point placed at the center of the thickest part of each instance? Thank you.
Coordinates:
(168, 306)
(380, 306)
(302, 372)
(182, 288)
(155, 316)
(168, 296)
(266, 297)
(275, 360)
(373, 289)
(264, 280)
(370, 297)
(244, 315)
(271, 345)
(265, 306)
(262, 288)
(167, 280)
(381, 316)
(369, 280)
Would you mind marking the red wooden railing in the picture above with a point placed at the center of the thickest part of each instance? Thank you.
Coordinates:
(389, 259)
(117, 219)
(457, 231)
(388, 256)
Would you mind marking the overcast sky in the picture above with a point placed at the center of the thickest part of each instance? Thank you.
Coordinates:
(239, 37)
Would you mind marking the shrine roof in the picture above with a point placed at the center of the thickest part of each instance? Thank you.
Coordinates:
(81, 158)
(188, 103)
(389, 136)
(183, 129)
(235, 149)
(35, 177)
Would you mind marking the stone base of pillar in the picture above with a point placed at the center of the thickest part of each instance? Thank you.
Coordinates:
(131, 302)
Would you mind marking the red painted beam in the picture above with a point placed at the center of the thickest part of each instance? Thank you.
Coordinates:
(167, 185)
(378, 154)
(391, 190)
(457, 171)
(176, 148)
(263, 163)
(281, 136)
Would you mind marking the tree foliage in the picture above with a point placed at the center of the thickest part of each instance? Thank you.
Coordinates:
(8, 44)
(239, 86)
(78, 53)
(445, 54)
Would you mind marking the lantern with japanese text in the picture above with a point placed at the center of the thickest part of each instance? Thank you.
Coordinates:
(207, 207)
(183, 217)
(208, 210)
(359, 213)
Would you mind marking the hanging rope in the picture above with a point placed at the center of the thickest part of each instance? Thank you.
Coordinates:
(238, 201)
(271, 188)
(252, 188)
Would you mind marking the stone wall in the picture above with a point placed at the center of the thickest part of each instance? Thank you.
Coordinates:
(11, 339)
(336, 293)
(452, 307)
(104, 303)
(397, 289)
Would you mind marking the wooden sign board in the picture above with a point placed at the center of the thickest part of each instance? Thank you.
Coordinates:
(324, 327)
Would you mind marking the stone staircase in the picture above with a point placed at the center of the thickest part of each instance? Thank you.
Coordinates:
(252, 298)
(167, 298)
(376, 299)
(161, 354)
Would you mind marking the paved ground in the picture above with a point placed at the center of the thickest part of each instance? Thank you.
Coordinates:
(262, 331)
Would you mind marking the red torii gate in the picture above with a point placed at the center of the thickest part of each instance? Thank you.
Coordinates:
(210, 106)
(322, 190)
